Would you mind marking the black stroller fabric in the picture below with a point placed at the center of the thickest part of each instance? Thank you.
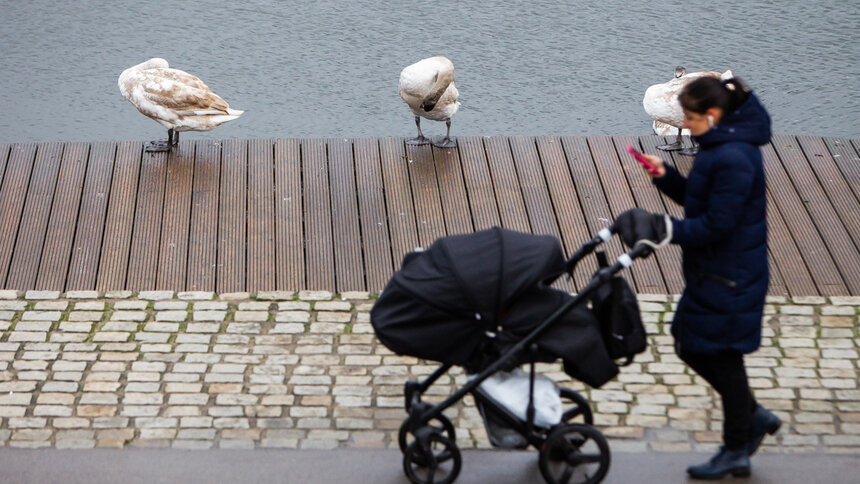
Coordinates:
(469, 293)
(615, 306)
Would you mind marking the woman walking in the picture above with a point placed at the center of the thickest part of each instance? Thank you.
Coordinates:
(724, 242)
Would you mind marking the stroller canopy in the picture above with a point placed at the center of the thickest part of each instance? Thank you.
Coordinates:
(442, 301)
(478, 275)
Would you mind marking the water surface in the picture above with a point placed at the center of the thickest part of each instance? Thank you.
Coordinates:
(330, 69)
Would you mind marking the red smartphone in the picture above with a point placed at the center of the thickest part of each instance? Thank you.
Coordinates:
(641, 159)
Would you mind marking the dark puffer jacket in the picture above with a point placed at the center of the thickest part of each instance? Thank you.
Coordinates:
(723, 235)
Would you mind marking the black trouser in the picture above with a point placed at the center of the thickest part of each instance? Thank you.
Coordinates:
(725, 372)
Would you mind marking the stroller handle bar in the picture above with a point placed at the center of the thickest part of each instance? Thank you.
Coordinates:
(626, 260)
(587, 248)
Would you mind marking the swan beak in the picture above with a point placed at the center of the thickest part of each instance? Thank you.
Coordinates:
(428, 107)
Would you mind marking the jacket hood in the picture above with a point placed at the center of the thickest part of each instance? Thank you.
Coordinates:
(750, 123)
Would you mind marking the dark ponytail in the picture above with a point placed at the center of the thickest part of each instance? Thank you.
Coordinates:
(708, 92)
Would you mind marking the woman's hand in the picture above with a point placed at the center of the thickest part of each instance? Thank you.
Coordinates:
(657, 163)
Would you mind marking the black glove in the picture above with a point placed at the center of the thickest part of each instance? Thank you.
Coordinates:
(637, 226)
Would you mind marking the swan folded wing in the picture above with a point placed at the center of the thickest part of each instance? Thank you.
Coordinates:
(182, 98)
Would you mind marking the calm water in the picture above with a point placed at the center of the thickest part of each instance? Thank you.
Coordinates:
(330, 69)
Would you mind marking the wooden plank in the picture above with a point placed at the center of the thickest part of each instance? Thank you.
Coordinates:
(289, 230)
(648, 197)
(5, 151)
(801, 228)
(146, 232)
(565, 201)
(398, 198)
(536, 194)
(203, 225)
(24, 267)
(378, 262)
(425, 194)
(87, 247)
(646, 273)
(261, 215)
(113, 263)
(319, 251)
(777, 285)
(452, 191)
(533, 185)
(785, 256)
(835, 186)
(595, 209)
(173, 248)
(479, 185)
(509, 196)
(848, 161)
(349, 265)
(825, 218)
(60, 235)
(232, 224)
(12, 195)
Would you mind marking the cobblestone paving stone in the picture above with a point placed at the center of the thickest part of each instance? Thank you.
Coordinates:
(303, 370)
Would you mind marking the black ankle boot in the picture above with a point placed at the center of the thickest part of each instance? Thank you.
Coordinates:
(763, 422)
(735, 462)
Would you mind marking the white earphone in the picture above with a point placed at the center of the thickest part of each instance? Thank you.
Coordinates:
(710, 121)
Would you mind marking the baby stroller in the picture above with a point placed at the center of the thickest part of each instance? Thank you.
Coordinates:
(482, 301)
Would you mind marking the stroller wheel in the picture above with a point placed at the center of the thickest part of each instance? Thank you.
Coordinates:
(441, 424)
(580, 406)
(574, 453)
(439, 463)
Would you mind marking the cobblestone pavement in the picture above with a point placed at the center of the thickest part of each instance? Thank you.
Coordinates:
(303, 370)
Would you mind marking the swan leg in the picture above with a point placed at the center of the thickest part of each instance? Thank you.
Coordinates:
(162, 145)
(677, 145)
(420, 140)
(447, 142)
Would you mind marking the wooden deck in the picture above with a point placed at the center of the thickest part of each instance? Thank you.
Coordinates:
(338, 214)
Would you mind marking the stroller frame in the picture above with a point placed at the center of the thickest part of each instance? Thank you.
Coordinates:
(421, 453)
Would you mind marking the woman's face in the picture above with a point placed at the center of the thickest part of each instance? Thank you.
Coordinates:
(699, 124)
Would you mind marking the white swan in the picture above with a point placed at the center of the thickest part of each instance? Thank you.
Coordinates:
(661, 103)
(428, 88)
(174, 98)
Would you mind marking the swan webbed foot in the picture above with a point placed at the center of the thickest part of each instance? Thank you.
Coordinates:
(159, 146)
(676, 146)
(418, 141)
(445, 142)
(164, 145)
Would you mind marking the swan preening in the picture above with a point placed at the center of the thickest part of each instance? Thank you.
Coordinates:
(661, 103)
(175, 99)
(428, 88)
